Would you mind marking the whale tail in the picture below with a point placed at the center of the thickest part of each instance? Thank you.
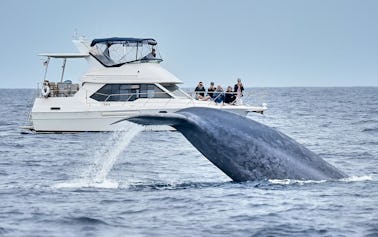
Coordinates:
(170, 119)
(242, 148)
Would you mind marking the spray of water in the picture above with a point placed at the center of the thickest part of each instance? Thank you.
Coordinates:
(109, 152)
(105, 157)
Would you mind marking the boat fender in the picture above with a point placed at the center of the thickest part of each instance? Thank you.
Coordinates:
(45, 91)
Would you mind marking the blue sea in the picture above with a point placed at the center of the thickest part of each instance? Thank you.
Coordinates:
(135, 183)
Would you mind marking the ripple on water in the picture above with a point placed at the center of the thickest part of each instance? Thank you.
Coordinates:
(85, 220)
(370, 130)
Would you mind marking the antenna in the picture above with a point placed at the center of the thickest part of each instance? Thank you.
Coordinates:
(75, 37)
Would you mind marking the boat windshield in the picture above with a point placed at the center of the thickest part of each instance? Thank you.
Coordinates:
(115, 52)
(174, 89)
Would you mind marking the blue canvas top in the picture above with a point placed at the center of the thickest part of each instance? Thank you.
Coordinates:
(118, 40)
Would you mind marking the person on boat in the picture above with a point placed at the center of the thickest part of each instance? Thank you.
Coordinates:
(229, 97)
(151, 55)
(218, 94)
(210, 90)
(238, 89)
(200, 90)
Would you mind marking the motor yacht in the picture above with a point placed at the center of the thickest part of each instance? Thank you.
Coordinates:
(125, 78)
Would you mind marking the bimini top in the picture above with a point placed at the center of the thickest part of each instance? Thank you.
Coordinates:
(115, 52)
(118, 40)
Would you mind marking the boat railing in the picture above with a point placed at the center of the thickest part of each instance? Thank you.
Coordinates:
(127, 97)
(249, 96)
(217, 96)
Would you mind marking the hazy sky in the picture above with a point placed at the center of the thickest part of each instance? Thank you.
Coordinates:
(266, 43)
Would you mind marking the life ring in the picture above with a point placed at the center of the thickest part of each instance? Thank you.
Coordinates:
(45, 91)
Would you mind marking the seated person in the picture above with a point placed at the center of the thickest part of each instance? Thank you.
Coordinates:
(230, 97)
(211, 89)
(200, 91)
(151, 55)
(218, 95)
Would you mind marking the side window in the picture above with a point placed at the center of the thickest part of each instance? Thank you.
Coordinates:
(114, 96)
(175, 90)
(103, 93)
(128, 92)
(152, 91)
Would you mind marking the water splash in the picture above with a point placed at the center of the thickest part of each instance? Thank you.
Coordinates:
(84, 183)
(109, 152)
(106, 155)
(302, 182)
(358, 178)
(294, 181)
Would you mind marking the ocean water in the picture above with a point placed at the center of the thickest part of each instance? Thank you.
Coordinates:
(133, 183)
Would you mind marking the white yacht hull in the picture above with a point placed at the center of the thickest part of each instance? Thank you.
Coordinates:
(99, 118)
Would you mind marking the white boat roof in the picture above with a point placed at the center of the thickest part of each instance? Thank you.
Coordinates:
(64, 55)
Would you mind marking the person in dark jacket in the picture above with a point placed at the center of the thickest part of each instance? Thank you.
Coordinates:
(210, 90)
(239, 88)
(200, 92)
(229, 97)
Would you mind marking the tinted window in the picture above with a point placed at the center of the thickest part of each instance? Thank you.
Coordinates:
(173, 88)
(128, 92)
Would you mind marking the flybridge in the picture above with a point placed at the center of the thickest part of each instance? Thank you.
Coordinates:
(115, 52)
(112, 52)
(118, 40)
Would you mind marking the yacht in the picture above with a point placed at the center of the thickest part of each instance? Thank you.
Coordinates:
(125, 78)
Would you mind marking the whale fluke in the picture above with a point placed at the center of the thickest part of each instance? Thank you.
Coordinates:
(244, 149)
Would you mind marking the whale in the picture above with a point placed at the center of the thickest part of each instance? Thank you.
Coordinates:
(244, 149)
